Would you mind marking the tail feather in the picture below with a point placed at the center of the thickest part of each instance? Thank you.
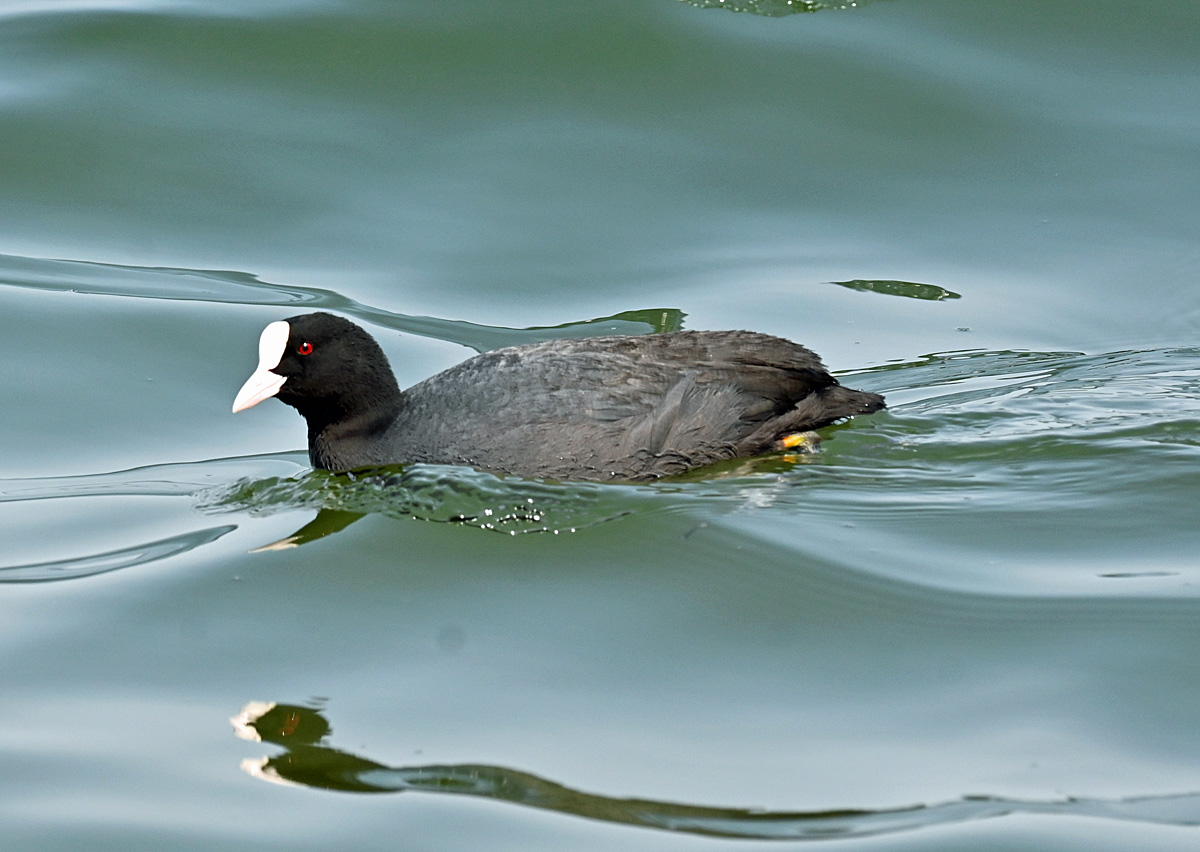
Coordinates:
(825, 406)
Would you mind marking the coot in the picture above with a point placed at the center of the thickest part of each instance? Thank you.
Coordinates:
(600, 408)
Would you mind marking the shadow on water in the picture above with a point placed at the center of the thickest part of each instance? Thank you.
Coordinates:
(308, 762)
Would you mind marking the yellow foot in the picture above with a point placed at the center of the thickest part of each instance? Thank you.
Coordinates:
(804, 442)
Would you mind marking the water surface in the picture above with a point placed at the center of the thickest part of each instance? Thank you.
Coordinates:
(968, 622)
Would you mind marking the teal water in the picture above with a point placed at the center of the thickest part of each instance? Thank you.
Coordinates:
(968, 622)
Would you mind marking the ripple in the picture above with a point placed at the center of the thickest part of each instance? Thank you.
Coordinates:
(241, 288)
(1011, 473)
(182, 479)
(1017, 471)
(102, 563)
(169, 481)
(1060, 408)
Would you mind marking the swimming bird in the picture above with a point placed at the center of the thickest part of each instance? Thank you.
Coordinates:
(622, 408)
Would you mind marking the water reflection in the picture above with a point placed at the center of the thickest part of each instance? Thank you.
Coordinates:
(776, 8)
(905, 289)
(439, 493)
(306, 761)
(327, 522)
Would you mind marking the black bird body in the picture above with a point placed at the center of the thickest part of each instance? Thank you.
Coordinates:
(604, 408)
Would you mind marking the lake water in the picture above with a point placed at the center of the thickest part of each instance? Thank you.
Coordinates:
(969, 622)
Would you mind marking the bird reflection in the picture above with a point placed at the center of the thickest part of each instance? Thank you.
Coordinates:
(301, 731)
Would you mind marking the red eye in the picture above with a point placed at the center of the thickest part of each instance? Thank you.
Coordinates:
(304, 348)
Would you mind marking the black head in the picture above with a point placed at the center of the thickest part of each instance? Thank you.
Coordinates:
(324, 366)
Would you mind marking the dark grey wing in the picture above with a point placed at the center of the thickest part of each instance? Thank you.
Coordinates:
(614, 407)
